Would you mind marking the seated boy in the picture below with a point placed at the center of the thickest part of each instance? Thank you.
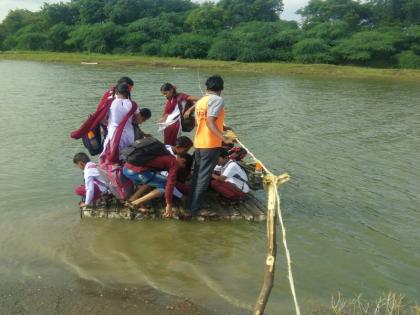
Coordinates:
(232, 183)
(150, 175)
(94, 186)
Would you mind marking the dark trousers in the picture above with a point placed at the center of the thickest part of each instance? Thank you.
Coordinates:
(204, 162)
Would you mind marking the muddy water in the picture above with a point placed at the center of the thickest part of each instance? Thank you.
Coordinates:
(351, 210)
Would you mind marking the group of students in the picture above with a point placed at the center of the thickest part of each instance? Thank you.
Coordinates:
(174, 172)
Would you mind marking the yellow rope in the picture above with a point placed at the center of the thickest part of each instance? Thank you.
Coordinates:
(276, 180)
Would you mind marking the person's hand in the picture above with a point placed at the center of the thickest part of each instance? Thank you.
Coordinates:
(228, 140)
(83, 205)
(187, 113)
(168, 211)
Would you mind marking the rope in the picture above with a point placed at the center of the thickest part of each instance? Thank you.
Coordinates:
(289, 260)
(283, 229)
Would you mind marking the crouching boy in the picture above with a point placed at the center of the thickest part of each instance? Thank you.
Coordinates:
(232, 183)
(95, 186)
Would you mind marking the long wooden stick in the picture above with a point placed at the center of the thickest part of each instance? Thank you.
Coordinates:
(271, 251)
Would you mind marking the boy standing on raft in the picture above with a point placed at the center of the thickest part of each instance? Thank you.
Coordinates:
(209, 115)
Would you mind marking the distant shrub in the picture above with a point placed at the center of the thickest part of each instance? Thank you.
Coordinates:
(152, 48)
(224, 48)
(187, 45)
(312, 50)
(408, 60)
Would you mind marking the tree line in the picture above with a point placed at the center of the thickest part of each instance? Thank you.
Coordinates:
(376, 33)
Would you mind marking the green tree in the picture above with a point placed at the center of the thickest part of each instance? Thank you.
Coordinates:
(99, 38)
(321, 11)
(55, 13)
(57, 36)
(312, 50)
(124, 11)
(367, 48)
(17, 19)
(187, 45)
(239, 11)
(92, 11)
(408, 60)
(208, 18)
(224, 47)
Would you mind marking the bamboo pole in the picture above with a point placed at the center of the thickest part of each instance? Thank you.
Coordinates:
(271, 250)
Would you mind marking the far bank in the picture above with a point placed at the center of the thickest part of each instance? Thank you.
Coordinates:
(269, 68)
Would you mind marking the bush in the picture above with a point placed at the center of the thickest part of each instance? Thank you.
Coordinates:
(99, 38)
(367, 47)
(152, 48)
(224, 47)
(312, 50)
(187, 45)
(408, 60)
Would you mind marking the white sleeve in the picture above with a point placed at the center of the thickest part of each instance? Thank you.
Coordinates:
(231, 170)
(90, 189)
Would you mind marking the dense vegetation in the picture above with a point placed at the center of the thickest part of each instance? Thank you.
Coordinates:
(380, 33)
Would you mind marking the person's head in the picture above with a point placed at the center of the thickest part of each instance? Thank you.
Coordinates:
(184, 160)
(227, 146)
(215, 84)
(126, 80)
(237, 153)
(223, 157)
(168, 90)
(81, 159)
(145, 114)
(183, 145)
(123, 90)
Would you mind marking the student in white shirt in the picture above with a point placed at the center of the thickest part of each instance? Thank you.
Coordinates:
(232, 182)
(94, 186)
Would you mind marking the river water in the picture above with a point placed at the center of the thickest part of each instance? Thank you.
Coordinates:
(351, 209)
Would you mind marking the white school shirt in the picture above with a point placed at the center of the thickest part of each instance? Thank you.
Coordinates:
(229, 170)
(118, 110)
(93, 177)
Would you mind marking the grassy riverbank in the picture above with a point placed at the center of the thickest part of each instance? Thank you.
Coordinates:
(269, 68)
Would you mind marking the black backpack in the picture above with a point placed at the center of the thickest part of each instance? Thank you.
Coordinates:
(93, 141)
(143, 150)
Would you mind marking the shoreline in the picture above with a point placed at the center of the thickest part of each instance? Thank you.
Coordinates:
(232, 66)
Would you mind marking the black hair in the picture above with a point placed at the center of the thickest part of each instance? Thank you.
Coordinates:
(184, 142)
(214, 83)
(124, 89)
(224, 153)
(81, 157)
(167, 87)
(188, 160)
(125, 80)
(146, 113)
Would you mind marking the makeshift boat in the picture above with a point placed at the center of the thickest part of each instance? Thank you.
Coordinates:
(250, 209)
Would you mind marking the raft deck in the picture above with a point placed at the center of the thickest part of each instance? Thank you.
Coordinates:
(250, 209)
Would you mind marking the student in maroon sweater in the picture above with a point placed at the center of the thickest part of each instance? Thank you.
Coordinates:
(161, 163)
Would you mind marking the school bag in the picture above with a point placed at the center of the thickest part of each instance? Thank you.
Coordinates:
(143, 150)
(94, 141)
(187, 124)
(90, 130)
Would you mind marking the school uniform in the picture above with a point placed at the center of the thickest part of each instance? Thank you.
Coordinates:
(160, 163)
(235, 186)
(94, 186)
(117, 112)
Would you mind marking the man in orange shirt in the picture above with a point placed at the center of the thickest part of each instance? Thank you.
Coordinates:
(209, 117)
